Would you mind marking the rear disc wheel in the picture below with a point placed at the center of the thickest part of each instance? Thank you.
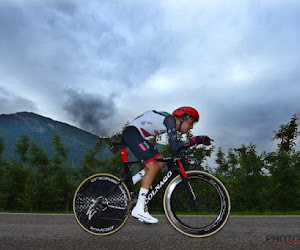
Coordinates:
(100, 204)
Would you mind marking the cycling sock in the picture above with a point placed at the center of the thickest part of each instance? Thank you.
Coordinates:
(142, 197)
(140, 211)
(138, 176)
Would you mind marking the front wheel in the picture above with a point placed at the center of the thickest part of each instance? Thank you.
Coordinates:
(212, 211)
(100, 204)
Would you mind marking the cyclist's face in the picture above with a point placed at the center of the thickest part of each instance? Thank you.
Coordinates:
(187, 125)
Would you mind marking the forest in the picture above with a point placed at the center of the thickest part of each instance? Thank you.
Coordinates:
(257, 182)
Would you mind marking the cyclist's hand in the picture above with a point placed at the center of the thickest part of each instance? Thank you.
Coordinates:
(202, 139)
(207, 141)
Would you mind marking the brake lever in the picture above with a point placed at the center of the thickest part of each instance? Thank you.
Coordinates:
(184, 152)
(190, 150)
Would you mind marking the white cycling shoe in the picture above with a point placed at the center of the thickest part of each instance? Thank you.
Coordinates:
(143, 215)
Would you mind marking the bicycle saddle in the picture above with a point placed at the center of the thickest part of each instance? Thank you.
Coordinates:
(116, 145)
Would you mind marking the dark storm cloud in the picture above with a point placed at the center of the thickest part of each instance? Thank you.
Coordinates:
(62, 44)
(240, 56)
(90, 111)
(11, 103)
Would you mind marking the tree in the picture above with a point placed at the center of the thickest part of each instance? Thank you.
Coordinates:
(22, 147)
(51, 184)
(12, 186)
(38, 155)
(287, 135)
(63, 176)
(2, 146)
(284, 167)
(37, 181)
(223, 166)
(61, 154)
(250, 180)
(91, 163)
(242, 174)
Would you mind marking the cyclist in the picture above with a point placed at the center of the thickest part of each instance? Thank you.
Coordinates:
(154, 123)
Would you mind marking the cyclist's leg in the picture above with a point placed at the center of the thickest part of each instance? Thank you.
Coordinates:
(140, 175)
(146, 153)
(137, 177)
(151, 169)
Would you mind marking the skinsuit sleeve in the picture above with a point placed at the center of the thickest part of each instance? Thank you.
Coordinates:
(170, 124)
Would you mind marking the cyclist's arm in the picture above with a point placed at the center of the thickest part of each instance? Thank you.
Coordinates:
(170, 123)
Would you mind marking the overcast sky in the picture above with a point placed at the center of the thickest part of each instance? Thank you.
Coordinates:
(98, 64)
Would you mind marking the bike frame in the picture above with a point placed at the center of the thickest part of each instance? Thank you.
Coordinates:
(113, 199)
(174, 164)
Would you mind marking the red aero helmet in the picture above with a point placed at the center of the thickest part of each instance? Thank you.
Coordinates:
(186, 111)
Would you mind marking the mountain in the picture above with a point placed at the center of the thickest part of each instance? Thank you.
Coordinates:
(41, 130)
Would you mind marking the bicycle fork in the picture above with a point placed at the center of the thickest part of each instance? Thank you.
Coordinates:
(188, 186)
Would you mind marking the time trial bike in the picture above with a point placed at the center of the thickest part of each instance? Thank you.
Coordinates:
(195, 202)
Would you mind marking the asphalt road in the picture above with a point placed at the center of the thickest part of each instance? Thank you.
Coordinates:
(34, 231)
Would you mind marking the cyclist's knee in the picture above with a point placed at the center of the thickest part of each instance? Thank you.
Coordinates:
(152, 166)
(160, 163)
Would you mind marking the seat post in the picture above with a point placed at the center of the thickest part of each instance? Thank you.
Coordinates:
(124, 154)
(128, 178)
